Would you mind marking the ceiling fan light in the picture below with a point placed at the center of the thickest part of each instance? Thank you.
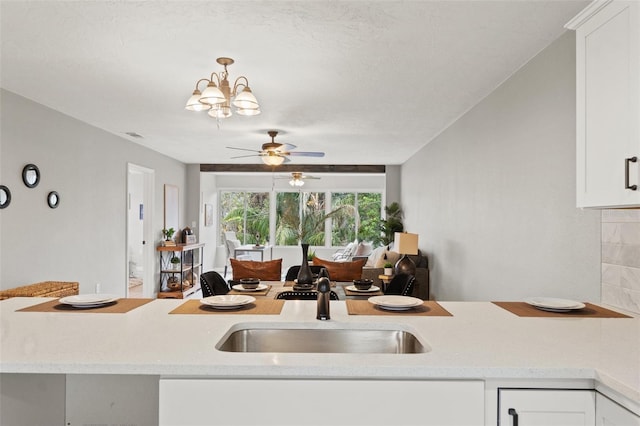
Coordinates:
(246, 100)
(272, 160)
(296, 182)
(212, 95)
(194, 104)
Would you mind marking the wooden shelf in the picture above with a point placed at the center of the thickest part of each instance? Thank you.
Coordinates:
(185, 293)
(180, 247)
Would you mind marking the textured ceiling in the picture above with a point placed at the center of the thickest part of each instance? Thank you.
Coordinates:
(368, 82)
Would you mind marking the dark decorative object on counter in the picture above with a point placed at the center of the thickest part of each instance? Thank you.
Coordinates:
(304, 274)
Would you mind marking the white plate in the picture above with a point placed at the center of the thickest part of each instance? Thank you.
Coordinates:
(553, 304)
(395, 303)
(88, 300)
(371, 289)
(260, 287)
(227, 301)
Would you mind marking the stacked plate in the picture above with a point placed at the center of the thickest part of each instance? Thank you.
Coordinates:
(260, 287)
(395, 303)
(88, 300)
(554, 305)
(371, 289)
(227, 301)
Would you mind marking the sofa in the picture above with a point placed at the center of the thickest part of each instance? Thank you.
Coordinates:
(372, 270)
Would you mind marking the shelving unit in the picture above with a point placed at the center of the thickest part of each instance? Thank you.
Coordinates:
(183, 281)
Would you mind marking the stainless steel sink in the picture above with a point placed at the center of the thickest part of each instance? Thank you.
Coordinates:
(312, 340)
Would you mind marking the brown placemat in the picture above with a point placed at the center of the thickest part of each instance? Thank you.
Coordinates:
(427, 309)
(252, 293)
(259, 307)
(291, 283)
(523, 309)
(120, 306)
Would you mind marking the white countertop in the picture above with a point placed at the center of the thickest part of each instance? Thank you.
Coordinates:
(480, 341)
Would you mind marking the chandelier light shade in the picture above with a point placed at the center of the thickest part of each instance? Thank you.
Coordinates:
(218, 96)
(296, 182)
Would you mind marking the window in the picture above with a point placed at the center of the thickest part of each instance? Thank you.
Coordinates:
(246, 213)
(298, 215)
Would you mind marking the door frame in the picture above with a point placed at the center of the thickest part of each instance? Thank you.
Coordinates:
(148, 253)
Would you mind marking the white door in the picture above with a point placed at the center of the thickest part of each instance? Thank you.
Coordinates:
(140, 183)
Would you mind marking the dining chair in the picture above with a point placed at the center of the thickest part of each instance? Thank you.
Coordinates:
(213, 284)
(401, 284)
(304, 295)
(292, 272)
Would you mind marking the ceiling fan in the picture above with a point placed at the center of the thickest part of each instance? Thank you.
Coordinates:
(274, 153)
(296, 178)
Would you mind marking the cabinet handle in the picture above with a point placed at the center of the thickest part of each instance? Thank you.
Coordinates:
(512, 412)
(626, 173)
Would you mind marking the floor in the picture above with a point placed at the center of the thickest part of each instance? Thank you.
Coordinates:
(135, 287)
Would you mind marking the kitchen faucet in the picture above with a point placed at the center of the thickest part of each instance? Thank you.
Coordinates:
(324, 288)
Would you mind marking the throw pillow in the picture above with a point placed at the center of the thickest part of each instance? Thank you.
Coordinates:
(270, 270)
(387, 256)
(374, 256)
(342, 271)
(363, 249)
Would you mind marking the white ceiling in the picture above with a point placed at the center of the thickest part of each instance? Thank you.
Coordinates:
(368, 82)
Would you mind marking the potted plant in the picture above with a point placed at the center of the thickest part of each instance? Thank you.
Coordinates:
(388, 269)
(168, 235)
(392, 223)
(175, 262)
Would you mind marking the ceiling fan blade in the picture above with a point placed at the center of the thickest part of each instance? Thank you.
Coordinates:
(305, 154)
(244, 149)
(244, 156)
(288, 146)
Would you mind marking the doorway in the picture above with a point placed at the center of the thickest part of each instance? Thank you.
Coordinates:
(140, 254)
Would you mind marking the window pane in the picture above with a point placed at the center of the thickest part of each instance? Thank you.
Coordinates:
(245, 213)
(369, 211)
(287, 218)
(344, 224)
(313, 222)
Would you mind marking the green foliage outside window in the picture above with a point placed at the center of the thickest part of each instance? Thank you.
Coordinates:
(246, 213)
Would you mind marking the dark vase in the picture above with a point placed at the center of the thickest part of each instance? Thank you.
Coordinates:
(304, 274)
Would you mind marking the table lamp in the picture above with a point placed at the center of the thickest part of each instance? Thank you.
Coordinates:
(405, 243)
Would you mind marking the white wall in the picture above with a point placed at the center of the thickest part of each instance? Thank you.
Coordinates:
(493, 196)
(84, 239)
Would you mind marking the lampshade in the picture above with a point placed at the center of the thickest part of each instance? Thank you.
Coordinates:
(272, 160)
(245, 99)
(194, 104)
(248, 111)
(212, 95)
(405, 243)
(220, 111)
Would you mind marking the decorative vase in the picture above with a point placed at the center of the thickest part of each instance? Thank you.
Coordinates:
(304, 274)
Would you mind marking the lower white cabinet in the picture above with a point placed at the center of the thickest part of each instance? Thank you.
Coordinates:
(546, 407)
(320, 402)
(608, 413)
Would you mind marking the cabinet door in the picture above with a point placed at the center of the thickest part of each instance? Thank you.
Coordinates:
(321, 402)
(608, 113)
(546, 407)
(608, 413)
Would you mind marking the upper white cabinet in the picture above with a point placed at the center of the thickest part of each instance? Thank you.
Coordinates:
(608, 104)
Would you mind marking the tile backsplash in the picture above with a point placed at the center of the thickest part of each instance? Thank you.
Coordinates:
(621, 258)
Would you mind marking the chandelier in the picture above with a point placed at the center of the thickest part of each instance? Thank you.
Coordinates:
(216, 98)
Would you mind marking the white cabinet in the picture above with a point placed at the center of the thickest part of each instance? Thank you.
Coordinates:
(608, 104)
(320, 402)
(546, 407)
(608, 413)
